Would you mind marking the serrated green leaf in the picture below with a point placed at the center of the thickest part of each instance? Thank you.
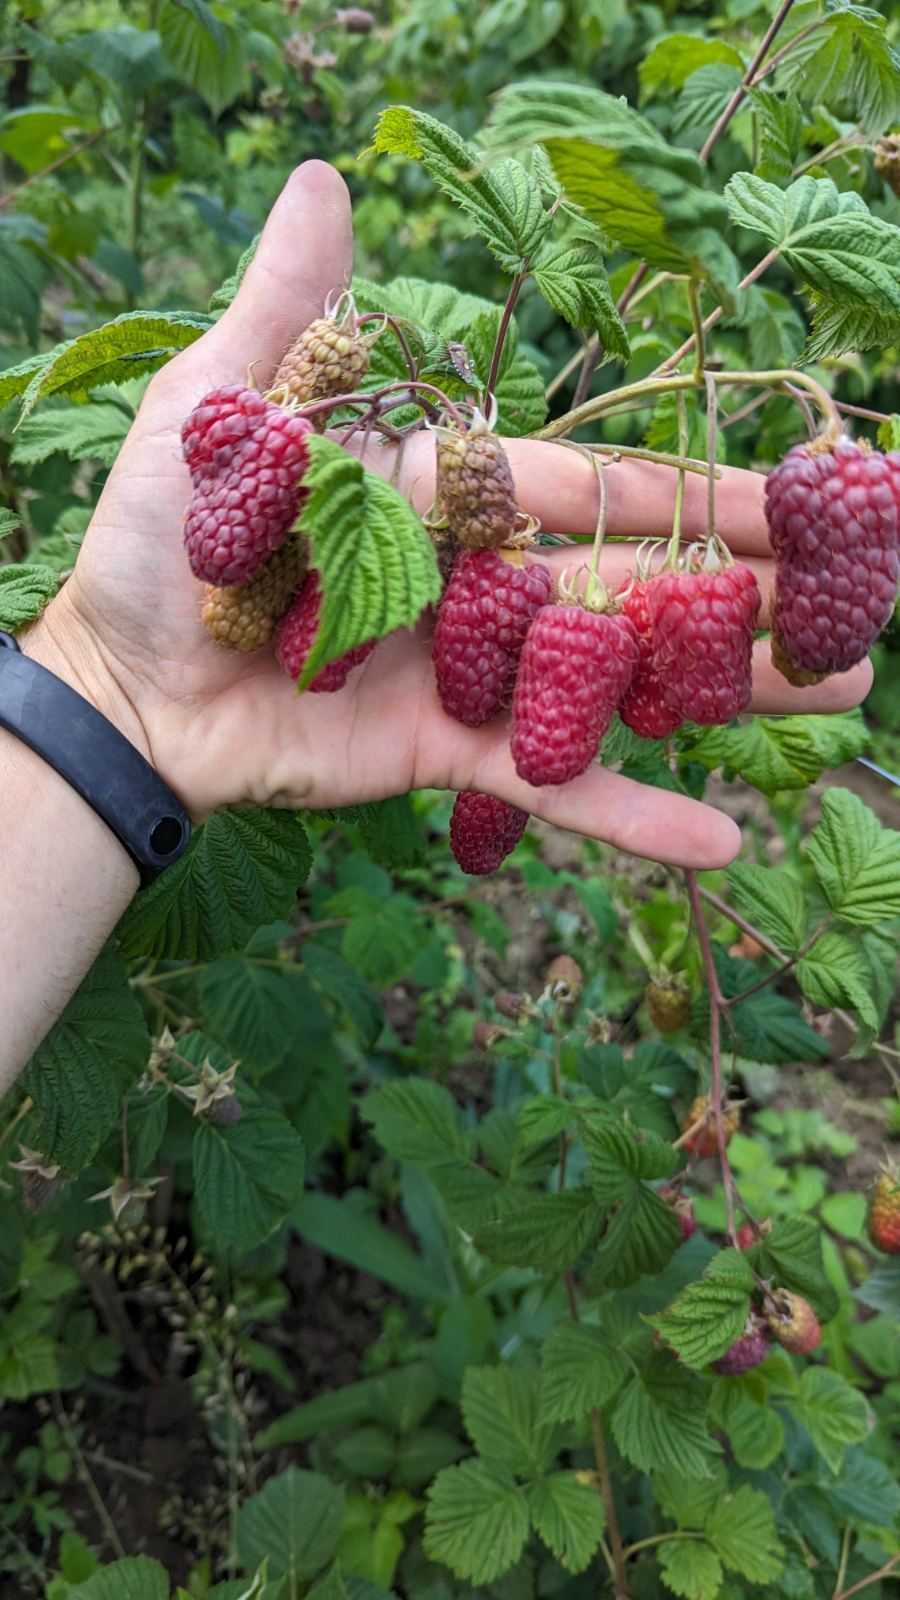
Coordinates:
(791, 1255)
(9, 522)
(866, 1490)
(755, 1430)
(34, 135)
(329, 1587)
(704, 96)
(29, 1365)
(294, 1523)
(501, 1409)
(205, 52)
(847, 62)
(78, 1076)
(775, 753)
(773, 900)
(780, 133)
(568, 1515)
(503, 202)
(741, 1529)
(837, 973)
(416, 1120)
(132, 344)
(856, 860)
(247, 1176)
(82, 433)
(519, 386)
(263, 1014)
(477, 1521)
(242, 870)
(25, 589)
(391, 833)
(222, 297)
(834, 1413)
(340, 982)
(572, 280)
(134, 1578)
(581, 1369)
(768, 1027)
(689, 1501)
(838, 327)
(690, 1568)
(382, 940)
(547, 1231)
(673, 57)
(709, 1315)
(659, 1421)
(642, 1233)
(375, 561)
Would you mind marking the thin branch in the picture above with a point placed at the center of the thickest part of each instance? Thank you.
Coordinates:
(84, 1473)
(712, 435)
(515, 289)
(780, 972)
(593, 349)
(715, 1045)
(747, 82)
(725, 910)
(716, 316)
(845, 1557)
(873, 1577)
(617, 1549)
(69, 155)
(697, 320)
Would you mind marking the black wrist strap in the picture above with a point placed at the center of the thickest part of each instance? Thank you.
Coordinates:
(95, 758)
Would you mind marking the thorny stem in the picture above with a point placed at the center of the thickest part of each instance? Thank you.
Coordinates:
(715, 1045)
(617, 1549)
(873, 1577)
(515, 290)
(747, 82)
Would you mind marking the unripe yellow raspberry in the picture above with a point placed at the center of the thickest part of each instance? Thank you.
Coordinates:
(244, 617)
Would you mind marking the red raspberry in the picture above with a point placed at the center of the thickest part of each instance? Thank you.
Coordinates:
(246, 458)
(704, 1141)
(703, 641)
(644, 707)
(793, 1322)
(483, 831)
(295, 636)
(748, 1351)
(487, 609)
(884, 1214)
(834, 517)
(575, 667)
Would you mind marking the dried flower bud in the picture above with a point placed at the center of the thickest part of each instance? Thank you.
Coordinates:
(564, 979)
(354, 20)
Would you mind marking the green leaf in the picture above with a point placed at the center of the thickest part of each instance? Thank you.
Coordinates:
(774, 753)
(755, 1430)
(37, 134)
(392, 834)
(659, 1421)
(423, 1455)
(205, 52)
(375, 560)
(416, 1120)
(581, 1369)
(838, 327)
(707, 1317)
(503, 202)
(242, 870)
(773, 900)
(568, 1515)
(690, 1568)
(135, 1578)
(741, 1529)
(547, 1231)
(247, 1176)
(132, 344)
(24, 592)
(477, 1521)
(519, 386)
(261, 1013)
(501, 1411)
(329, 1587)
(847, 62)
(828, 237)
(382, 939)
(341, 983)
(572, 280)
(9, 522)
(367, 1452)
(643, 1233)
(29, 1365)
(295, 1522)
(768, 1027)
(689, 1501)
(867, 1490)
(340, 1229)
(833, 1412)
(78, 1076)
(837, 973)
(856, 860)
(222, 297)
(792, 1256)
(83, 433)
(673, 57)
(780, 125)
(704, 97)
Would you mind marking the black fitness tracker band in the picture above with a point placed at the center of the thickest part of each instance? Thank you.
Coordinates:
(95, 758)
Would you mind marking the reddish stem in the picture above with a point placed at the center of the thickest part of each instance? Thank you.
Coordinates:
(716, 1005)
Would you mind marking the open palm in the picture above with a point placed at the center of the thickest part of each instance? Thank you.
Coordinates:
(225, 729)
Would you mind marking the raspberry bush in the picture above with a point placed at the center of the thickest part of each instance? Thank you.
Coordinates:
(594, 1152)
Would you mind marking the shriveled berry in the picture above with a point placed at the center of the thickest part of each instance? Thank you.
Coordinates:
(884, 1213)
(564, 978)
(887, 160)
(244, 618)
(669, 1004)
(747, 1352)
(246, 458)
(834, 519)
(644, 708)
(575, 667)
(792, 1321)
(475, 488)
(329, 358)
(704, 1141)
(703, 624)
(483, 831)
(487, 609)
(683, 1207)
(296, 635)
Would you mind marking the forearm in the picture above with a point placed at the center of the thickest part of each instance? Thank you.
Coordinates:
(66, 881)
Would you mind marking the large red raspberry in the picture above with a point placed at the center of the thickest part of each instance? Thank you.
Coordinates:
(487, 609)
(575, 667)
(246, 458)
(644, 708)
(296, 634)
(834, 518)
(483, 831)
(747, 1352)
(703, 626)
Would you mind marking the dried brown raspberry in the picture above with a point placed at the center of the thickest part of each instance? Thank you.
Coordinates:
(245, 618)
(564, 978)
(887, 160)
(475, 489)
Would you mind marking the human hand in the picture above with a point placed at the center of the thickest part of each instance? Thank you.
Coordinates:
(226, 729)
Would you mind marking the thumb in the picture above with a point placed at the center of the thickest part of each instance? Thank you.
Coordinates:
(305, 253)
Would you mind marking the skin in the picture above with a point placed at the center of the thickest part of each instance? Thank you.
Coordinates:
(224, 729)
